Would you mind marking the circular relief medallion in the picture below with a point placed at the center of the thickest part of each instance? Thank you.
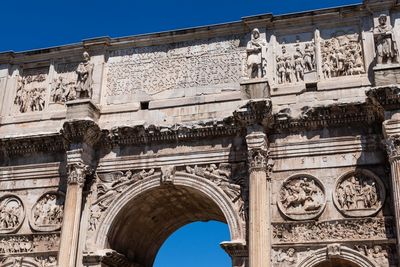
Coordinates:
(11, 214)
(359, 193)
(47, 213)
(301, 197)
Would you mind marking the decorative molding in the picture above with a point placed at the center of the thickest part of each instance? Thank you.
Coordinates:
(13, 146)
(254, 112)
(81, 131)
(235, 248)
(109, 257)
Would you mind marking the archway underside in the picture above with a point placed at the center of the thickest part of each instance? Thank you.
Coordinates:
(147, 221)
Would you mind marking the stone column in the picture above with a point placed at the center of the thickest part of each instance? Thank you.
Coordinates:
(393, 149)
(77, 172)
(259, 200)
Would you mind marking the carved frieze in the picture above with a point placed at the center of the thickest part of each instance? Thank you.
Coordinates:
(301, 197)
(359, 193)
(381, 255)
(154, 69)
(47, 214)
(12, 214)
(22, 244)
(46, 261)
(31, 90)
(337, 230)
(296, 62)
(342, 55)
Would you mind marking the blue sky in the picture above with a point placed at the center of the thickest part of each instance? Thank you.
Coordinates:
(32, 24)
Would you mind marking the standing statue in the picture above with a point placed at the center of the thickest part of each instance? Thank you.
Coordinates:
(386, 48)
(256, 49)
(85, 81)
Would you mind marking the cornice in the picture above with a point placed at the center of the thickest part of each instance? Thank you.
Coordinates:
(81, 131)
(387, 97)
(334, 115)
(32, 144)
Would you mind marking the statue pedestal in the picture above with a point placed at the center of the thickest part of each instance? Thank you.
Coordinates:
(255, 88)
(82, 109)
(386, 74)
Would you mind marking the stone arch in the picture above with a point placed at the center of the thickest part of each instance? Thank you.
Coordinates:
(345, 253)
(199, 189)
(25, 262)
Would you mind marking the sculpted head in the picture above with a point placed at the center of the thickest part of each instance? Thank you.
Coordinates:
(86, 56)
(382, 19)
(255, 34)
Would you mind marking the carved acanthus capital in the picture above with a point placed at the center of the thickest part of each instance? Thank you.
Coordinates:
(77, 173)
(392, 144)
(258, 153)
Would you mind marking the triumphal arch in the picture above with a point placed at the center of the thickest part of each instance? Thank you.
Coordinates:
(285, 127)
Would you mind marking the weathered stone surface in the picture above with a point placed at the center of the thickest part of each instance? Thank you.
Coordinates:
(276, 125)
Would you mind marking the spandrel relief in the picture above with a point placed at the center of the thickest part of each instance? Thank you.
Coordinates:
(295, 60)
(12, 214)
(197, 63)
(31, 90)
(359, 193)
(47, 214)
(342, 54)
(301, 197)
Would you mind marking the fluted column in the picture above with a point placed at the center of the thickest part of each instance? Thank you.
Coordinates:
(393, 150)
(77, 172)
(259, 200)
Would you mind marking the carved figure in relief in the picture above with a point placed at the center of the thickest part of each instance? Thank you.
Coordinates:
(49, 261)
(11, 212)
(111, 184)
(300, 196)
(30, 96)
(256, 58)
(61, 90)
(47, 211)
(85, 80)
(376, 253)
(285, 66)
(299, 65)
(309, 61)
(358, 192)
(285, 258)
(341, 56)
(386, 46)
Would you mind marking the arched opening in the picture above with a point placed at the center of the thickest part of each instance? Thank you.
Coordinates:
(336, 263)
(139, 221)
(195, 245)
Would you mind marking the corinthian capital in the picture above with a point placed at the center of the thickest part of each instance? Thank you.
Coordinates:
(392, 144)
(77, 173)
(258, 153)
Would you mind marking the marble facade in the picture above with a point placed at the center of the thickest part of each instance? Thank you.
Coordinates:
(285, 127)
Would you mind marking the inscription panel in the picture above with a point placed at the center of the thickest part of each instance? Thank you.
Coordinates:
(174, 66)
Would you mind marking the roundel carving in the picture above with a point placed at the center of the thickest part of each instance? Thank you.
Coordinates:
(47, 213)
(12, 214)
(359, 193)
(301, 197)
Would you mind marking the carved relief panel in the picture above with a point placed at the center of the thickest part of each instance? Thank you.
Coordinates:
(301, 197)
(155, 69)
(47, 213)
(12, 214)
(31, 90)
(341, 53)
(63, 82)
(359, 193)
(296, 59)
